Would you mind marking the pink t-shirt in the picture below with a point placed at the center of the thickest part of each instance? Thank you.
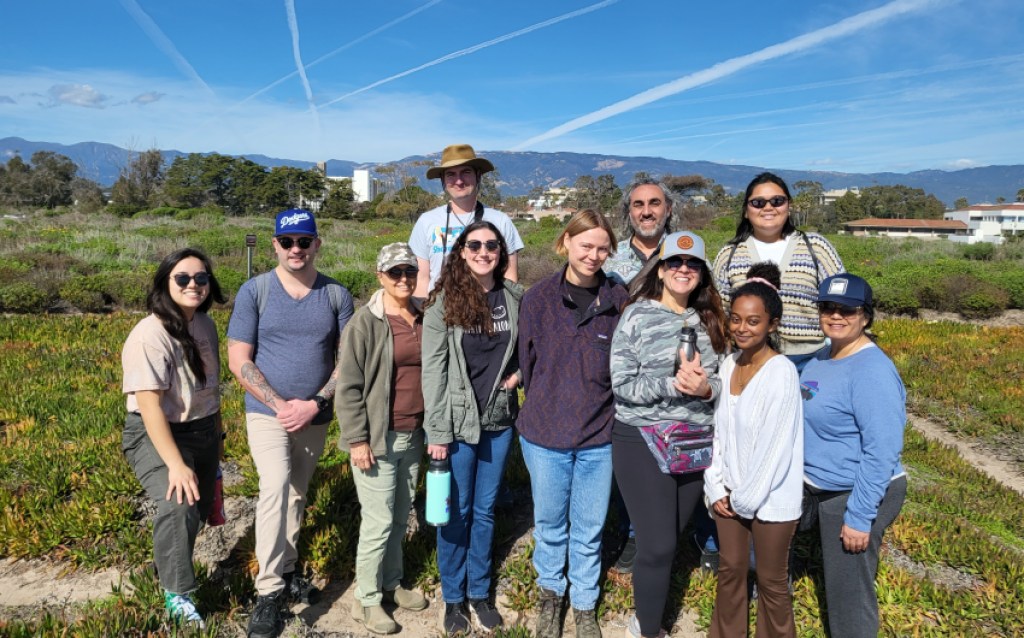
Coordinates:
(153, 360)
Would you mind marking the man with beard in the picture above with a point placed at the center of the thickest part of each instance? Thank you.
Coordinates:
(646, 217)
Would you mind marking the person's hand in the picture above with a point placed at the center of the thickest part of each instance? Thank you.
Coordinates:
(182, 479)
(438, 452)
(511, 381)
(297, 414)
(854, 541)
(691, 378)
(723, 508)
(361, 455)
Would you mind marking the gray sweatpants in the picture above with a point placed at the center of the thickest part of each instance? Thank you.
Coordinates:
(850, 578)
(175, 525)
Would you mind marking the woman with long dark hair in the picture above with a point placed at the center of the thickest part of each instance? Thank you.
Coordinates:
(172, 434)
(659, 393)
(766, 232)
(470, 374)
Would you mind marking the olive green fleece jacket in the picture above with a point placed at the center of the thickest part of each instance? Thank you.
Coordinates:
(362, 397)
(451, 407)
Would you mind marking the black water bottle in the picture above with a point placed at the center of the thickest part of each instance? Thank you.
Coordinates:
(687, 345)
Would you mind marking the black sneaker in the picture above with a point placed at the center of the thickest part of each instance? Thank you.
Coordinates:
(300, 589)
(627, 558)
(484, 615)
(456, 619)
(265, 621)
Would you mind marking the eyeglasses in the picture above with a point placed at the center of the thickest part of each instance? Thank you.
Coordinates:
(675, 263)
(396, 273)
(761, 202)
(182, 279)
(831, 308)
(491, 245)
(287, 242)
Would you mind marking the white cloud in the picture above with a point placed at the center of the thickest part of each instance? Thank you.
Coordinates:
(963, 163)
(148, 97)
(77, 95)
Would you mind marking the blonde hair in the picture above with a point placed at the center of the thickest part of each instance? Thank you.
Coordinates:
(581, 222)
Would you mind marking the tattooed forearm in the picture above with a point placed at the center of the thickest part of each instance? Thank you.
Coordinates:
(257, 382)
(328, 390)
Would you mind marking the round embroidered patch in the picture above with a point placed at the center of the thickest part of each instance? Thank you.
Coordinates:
(685, 242)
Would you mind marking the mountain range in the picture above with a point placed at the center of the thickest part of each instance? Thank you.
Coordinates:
(519, 172)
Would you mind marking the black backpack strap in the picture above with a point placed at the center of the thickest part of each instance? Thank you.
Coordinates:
(814, 258)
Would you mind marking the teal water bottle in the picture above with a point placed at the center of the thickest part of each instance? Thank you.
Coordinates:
(439, 490)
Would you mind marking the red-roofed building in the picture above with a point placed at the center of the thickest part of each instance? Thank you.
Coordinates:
(921, 228)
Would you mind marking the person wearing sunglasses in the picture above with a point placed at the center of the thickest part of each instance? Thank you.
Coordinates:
(766, 232)
(854, 483)
(172, 433)
(379, 403)
(673, 291)
(470, 375)
(435, 232)
(565, 339)
(284, 337)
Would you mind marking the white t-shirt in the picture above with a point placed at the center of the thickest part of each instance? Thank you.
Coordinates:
(773, 252)
(428, 235)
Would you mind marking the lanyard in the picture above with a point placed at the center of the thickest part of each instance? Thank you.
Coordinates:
(478, 214)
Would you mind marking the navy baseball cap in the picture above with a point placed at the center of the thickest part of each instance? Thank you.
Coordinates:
(296, 221)
(849, 290)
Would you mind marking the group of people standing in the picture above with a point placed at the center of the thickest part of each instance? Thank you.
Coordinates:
(433, 363)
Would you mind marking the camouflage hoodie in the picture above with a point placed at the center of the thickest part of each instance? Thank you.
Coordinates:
(643, 367)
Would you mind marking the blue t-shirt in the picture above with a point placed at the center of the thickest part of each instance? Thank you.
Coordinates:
(855, 411)
(295, 341)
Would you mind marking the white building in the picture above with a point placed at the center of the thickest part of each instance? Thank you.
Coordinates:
(364, 185)
(553, 198)
(989, 222)
(829, 197)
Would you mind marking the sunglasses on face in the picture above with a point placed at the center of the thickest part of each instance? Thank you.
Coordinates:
(396, 273)
(491, 245)
(761, 202)
(287, 242)
(830, 308)
(182, 279)
(675, 263)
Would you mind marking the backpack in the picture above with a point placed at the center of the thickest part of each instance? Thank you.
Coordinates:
(263, 286)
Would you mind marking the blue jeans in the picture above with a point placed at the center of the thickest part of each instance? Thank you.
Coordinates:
(464, 544)
(570, 501)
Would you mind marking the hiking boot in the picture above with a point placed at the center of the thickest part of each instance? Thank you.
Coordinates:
(484, 615)
(633, 629)
(549, 615)
(627, 558)
(182, 610)
(374, 618)
(586, 623)
(456, 619)
(405, 598)
(265, 621)
(300, 589)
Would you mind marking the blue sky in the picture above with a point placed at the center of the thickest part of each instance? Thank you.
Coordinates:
(843, 85)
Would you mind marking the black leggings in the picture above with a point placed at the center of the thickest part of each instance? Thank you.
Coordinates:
(659, 505)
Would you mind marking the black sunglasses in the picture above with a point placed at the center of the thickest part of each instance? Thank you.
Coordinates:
(831, 307)
(182, 279)
(491, 245)
(675, 263)
(396, 273)
(287, 242)
(761, 202)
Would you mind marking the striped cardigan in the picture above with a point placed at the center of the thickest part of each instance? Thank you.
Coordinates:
(800, 329)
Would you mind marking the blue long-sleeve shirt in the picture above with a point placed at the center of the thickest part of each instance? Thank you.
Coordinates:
(854, 418)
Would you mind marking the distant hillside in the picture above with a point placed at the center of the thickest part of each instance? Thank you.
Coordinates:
(522, 171)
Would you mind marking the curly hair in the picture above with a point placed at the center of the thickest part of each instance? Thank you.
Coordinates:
(704, 299)
(465, 303)
(768, 293)
(160, 303)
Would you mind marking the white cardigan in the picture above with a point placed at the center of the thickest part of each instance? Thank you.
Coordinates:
(758, 457)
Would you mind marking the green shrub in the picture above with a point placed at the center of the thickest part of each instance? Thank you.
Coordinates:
(1011, 281)
(983, 302)
(86, 293)
(358, 282)
(129, 289)
(983, 251)
(550, 222)
(212, 213)
(230, 280)
(161, 211)
(23, 297)
(901, 300)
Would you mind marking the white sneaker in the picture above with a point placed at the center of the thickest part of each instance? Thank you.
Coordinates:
(633, 628)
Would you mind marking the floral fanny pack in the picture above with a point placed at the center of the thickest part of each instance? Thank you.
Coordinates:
(678, 447)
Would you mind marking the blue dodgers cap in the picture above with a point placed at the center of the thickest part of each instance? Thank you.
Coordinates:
(849, 290)
(682, 243)
(296, 221)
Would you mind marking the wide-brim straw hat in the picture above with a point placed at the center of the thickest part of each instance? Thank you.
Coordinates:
(459, 155)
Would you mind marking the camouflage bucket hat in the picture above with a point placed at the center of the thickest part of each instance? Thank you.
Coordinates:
(396, 254)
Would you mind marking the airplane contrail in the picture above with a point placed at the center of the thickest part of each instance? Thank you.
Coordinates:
(477, 47)
(335, 52)
(162, 42)
(724, 69)
(293, 26)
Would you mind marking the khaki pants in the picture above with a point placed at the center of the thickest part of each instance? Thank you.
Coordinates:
(386, 491)
(285, 463)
